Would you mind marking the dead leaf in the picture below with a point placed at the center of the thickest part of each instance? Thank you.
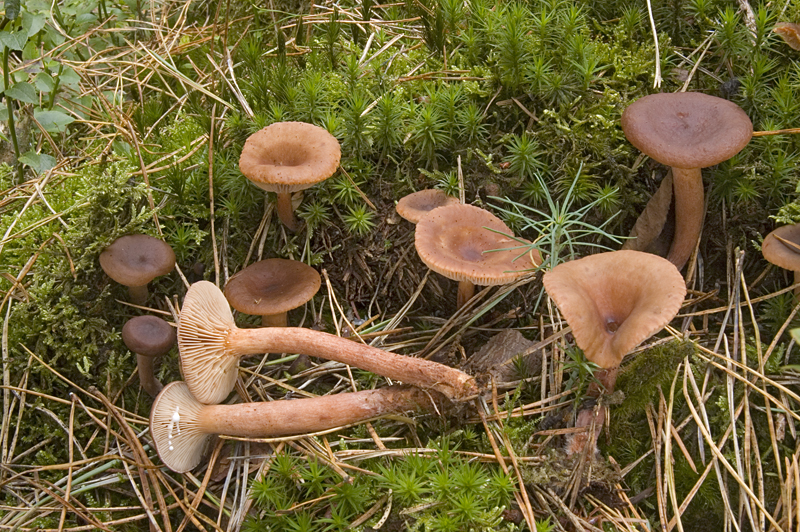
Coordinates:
(493, 357)
(651, 222)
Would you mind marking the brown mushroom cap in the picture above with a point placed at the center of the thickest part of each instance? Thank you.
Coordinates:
(614, 301)
(272, 286)
(289, 156)
(414, 206)
(687, 129)
(782, 247)
(148, 336)
(135, 260)
(453, 241)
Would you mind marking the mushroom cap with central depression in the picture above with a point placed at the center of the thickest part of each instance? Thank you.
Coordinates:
(467, 243)
(288, 156)
(418, 204)
(614, 301)
(272, 286)
(135, 260)
(687, 129)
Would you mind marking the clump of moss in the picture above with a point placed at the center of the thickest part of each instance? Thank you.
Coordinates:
(641, 379)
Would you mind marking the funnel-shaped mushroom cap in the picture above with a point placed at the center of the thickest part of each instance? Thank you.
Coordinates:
(687, 129)
(203, 328)
(173, 424)
(272, 286)
(453, 241)
(614, 301)
(782, 247)
(135, 260)
(148, 336)
(414, 206)
(289, 156)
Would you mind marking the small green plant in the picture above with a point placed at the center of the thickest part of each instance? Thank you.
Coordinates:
(359, 220)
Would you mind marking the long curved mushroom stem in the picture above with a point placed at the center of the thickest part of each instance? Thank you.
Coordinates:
(286, 212)
(180, 425)
(466, 290)
(210, 346)
(689, 203)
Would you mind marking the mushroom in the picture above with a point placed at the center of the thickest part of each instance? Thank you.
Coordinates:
(286, 157)
(782, 248)
(149, 337)
(687, 131)
(414, 206)
(182, 427)
(614, 301)
(135, 260)
(210, 346)
(470, 245)
(272, 287)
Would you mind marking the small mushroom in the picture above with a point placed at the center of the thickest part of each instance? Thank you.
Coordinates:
(614, 301)
(782, 248)
(182, 427)
(135, 260)
(210, 346)
(272, 287)
(687, 131)
(414, 206)
(149, 337)
(285, 157)
(469, 245)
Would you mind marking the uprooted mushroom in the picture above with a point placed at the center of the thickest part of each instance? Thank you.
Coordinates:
(182, 427)
(210, 346)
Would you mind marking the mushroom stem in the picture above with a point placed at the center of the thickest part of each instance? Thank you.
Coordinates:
(453, 383)
(181, 425)
(147, 376)
(466, 290)
(210, 346)
(274, 320)
(286, 211)
(138, 294)
(688, 188)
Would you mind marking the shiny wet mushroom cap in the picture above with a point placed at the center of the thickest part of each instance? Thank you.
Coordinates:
(135, 260)
(285, 157)
(272, 287)
(416, 205)
(614, 301)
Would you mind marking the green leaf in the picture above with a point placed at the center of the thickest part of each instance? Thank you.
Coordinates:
(44, 82)
(68, 76)
(39, 162)
(23, 92)
(12, 9)
(52, 121)
(13, 40)
(795, 334)
(32, 24)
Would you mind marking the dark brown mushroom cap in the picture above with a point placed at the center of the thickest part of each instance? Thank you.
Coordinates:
(148, 336)
(687, 129)
(782, 247)
(272, 286)
(135, 260)
(414, 206)
(614, 301)
(289, 156)
(453, 241)
(178, 439)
